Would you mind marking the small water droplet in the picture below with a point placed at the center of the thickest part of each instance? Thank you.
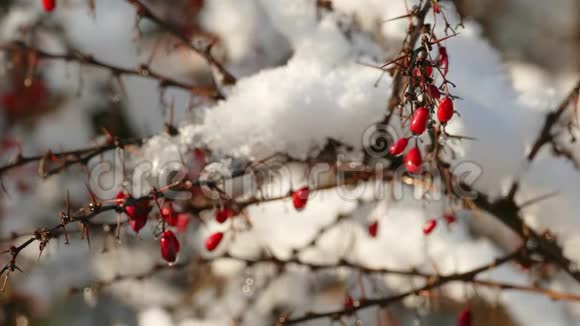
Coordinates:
(89, 297)
(116, 98)
(443, 139)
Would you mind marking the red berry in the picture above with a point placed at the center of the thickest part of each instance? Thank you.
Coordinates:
(213, 241)
(413, 161)
(182, 222)
(419, 121)
(399, 146)
(199, 155)
(445, 110)
(139, 209)
(300, 198)
(169, 214)
(221, 215)
(444, 60)
(138, 223)
(348, 301)
(373, 229)
(48, 5)
(428, 70)
(464, 318)
(429, 226)
(450, 219)
(434, 92)
(169, 246)
(121, 196)
(436, 7)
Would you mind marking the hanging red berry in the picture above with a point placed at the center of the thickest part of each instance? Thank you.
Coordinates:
(419, 121)
(436, 7)
(221, 215)
(348, 302)
(48, 5)
(373, 229)
(428, 70)
(199, 155)
(138, 209)
(445, 109)
(450, 219)
(464, 318)
(182, 222)
(300, 198)
(213, 241)
(443, 60)
(429, 226)
(434, 92)
(120, 197)
(169, 214)
(138, 223)
(169, 246)
(399, 146)
(413, 161)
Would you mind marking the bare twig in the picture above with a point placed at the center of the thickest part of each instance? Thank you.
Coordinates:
(143, 11)
(19, 48)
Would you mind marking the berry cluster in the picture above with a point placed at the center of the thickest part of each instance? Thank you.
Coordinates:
(426, 98)
(139, 210)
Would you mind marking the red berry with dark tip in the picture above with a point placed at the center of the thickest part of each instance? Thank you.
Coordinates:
(450, 219)
(169, 214)
(413, 161)
(138, 223)
(464, 318)
(436, 8)
(169, 246)
(419, 121)
(429, 226)
(121, 196)
(213, 241)
(138, 209)
(373, 229)
(434, 92)
(48, 5)
(399, 146)
(221, 215)
(300, 198)
(445, 110)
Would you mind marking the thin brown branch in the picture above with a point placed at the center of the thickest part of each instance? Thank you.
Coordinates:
(65, 159)
(545, 135)
(226, 77)
(286, 263)
(415, 29)
(19, 48)
(431, 284)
